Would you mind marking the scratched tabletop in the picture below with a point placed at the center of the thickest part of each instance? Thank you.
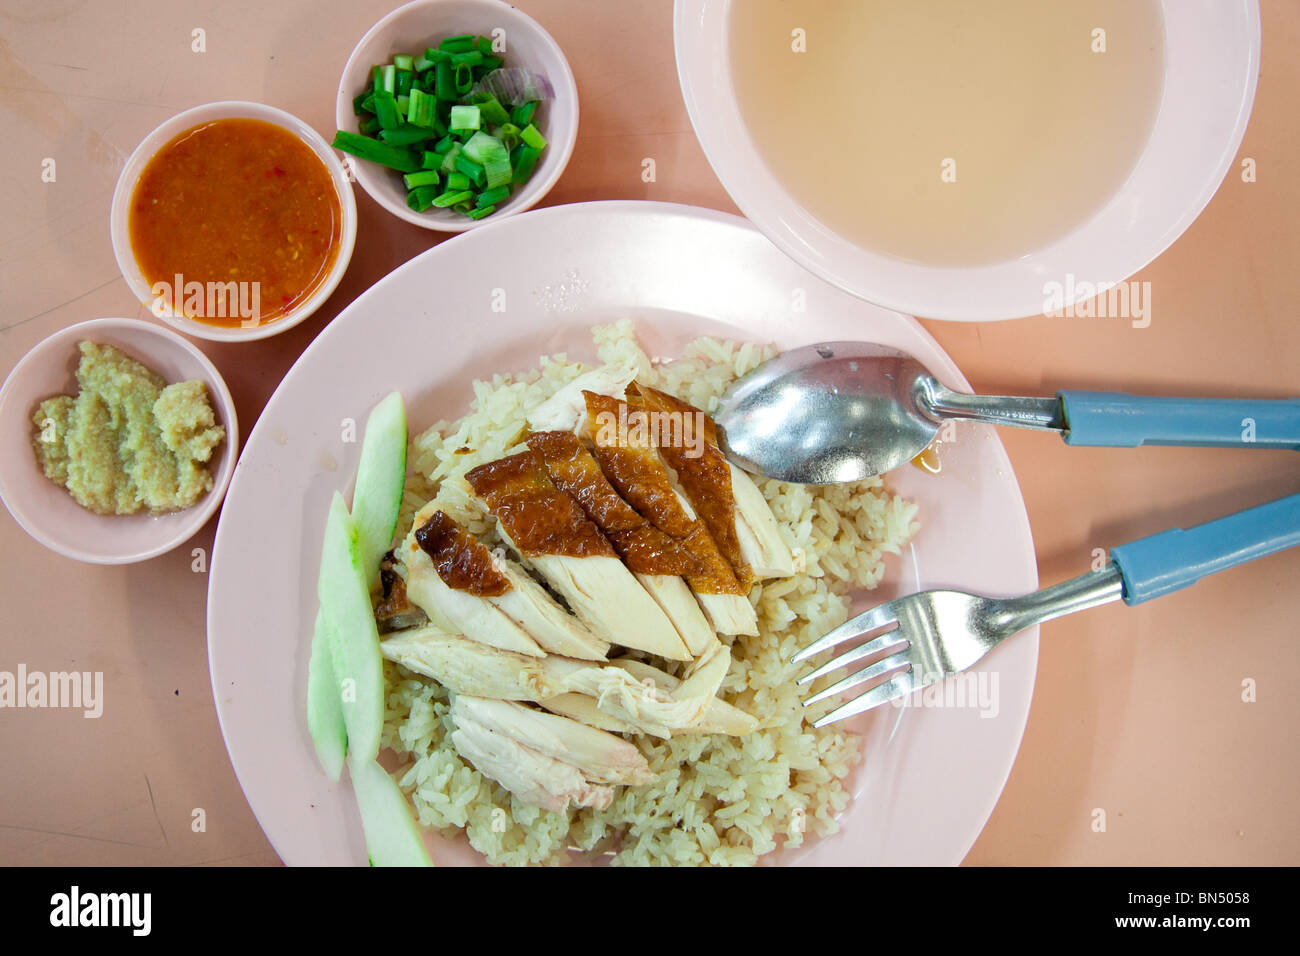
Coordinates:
(1160, 734)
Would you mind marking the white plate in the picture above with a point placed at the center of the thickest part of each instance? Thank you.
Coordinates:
(931, 775)
(1211, 67)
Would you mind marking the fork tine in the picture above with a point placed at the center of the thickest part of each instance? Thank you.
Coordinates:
(861, 652)
(898, 686)
(893, 662)
(878, 616)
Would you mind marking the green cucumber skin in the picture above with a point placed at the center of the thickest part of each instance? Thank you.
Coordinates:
(329, 732)
(393, 838)
(354, 638)
(381, 476)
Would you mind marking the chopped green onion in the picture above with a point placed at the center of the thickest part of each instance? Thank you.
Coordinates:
(405, 135)
(522, 115)
(533, 137)
(471, 169)
(446, 80)
(464, 78)
(450, 198)
(422, 197)
(363, 147)
(423, 110)
(440, 119)
(490, 197)
(464, 117)
(508, 133)
(524, 160)
(449, 160)
(491, 154)
(492, 110)
(386, 109)
(460, 44)
(425, 177)
(481, 145)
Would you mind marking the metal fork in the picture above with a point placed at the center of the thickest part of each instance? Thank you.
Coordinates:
(935, 634)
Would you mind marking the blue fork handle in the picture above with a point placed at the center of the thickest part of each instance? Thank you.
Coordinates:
(1117, 420)
(1175, 559)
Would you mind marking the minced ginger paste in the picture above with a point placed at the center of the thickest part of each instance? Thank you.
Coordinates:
(128, 441)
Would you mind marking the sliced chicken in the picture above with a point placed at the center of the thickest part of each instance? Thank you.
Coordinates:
(601, 757)
(633, 466)
(470, 667)
(720, 717)
(533, 777)
(488, 597)
(656, 559)
(758, 531)
(727, 500)
(565, 409)
(548, 529)
(583, 708)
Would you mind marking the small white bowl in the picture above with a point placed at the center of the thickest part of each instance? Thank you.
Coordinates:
(1211, 68)
(160, 137)
(46, 511)
(410, 29)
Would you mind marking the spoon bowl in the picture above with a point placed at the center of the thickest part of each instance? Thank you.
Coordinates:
(828, 413)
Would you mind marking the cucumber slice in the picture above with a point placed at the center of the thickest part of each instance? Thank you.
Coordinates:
(325, 721)
(352, 636)
(393, 837)
(380, 479)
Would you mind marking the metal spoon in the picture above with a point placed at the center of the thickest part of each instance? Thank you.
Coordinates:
(843, 411)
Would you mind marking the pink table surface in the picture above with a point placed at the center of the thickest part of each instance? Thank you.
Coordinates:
(1137, 711)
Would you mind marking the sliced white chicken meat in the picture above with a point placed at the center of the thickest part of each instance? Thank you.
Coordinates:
(467, 666)
(758, 531)
(634, 467)
(549, 531)
(533, 777)
(601, 757)
(657, 560)
(470, 667)
(727, 500)
(488, 597)
(565, 410)
(584, 709)
(720, 717)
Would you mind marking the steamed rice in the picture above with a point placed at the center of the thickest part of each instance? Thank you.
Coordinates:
(715, 800)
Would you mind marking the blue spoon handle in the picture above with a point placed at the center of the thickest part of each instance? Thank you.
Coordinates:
(1175, 559)
(1117, 420)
